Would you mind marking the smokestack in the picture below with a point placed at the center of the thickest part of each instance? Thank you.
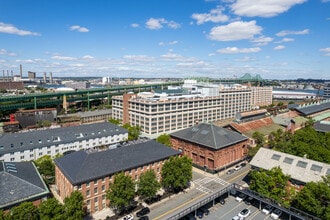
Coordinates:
(3, 75)
(45, 80)
(7, 75)
(51, 77)
(21, 71)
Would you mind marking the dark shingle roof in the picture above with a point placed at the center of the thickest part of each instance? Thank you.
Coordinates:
(12, 142)
(20, 181)
(80, 167)
(210, 136)
(314, 108)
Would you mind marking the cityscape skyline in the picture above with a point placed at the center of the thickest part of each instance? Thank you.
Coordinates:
(281, 39)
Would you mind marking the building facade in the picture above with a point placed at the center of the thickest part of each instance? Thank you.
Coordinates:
(156, 114)
(261, 96)
(211, 147)
(31, 145)
(95, 171)
(32, 117)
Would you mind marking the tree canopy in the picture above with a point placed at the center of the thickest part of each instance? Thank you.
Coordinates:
(133, 131)
(74, 206)
(51, 209)
(46, 168)
(176, 173)
(164, 139)
(314, 198)
(121, 192)
(148, 185)
(307, 142)
(270, 183)
(25, 210)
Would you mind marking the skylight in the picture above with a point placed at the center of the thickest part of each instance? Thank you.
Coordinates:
(301, 164)
(315, 167)
(276, 157)
(288, 160)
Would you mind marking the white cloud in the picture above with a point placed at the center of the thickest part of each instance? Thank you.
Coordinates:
(325, 1)
(215, 15)
(79, 28)
(262, 41)
(285, 40)
(157, 23)
(28, 61)
(235, 50)
(134, 25)
(238, 30)
(63, 58)
(87, 57)
(138, 58)
(279, 47)
(288, 32)
(168, 43)
(326, 51)
(263, 8)
(246, 59)
(7, 53)
(11, 29)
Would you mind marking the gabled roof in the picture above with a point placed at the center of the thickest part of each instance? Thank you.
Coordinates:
(80, 167)
(209, 135)
(299, 168)
(20, 181)
(314, 108)
(12, 142)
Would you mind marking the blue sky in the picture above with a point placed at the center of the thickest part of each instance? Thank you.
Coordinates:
(278, 39)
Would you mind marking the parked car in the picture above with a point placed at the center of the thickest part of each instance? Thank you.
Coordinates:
(230, 171)
(143, 212)
(237, 167)
(240, 197)
(236, 218)
(205, 210)
(243, 164)
(222, 201)
(244, 213)
(276, 214)
(144, 218)
(199, 213)
(249, 200)
(268, 209)
(128, 217)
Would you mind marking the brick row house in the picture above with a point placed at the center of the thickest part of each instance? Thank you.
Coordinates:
(91, 173)
(211, 147)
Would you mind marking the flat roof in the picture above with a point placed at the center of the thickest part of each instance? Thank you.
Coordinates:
(298, 168)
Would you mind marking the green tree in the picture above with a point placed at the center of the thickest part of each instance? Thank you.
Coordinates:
(314, 198)
(176, 173)
(164, 139)
(148, 185)
(25, 211)
(3, 215)
(74, 206)
(114, 121)
(133, 131)
(121, 192)
(46, 167)
(270, 183)
(51, 209)
(259, 138)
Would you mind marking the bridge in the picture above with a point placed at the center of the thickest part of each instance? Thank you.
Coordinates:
(53, 99)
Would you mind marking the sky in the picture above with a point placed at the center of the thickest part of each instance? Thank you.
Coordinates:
(277, 39)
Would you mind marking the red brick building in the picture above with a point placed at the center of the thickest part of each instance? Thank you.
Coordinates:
(211, 147)
(91, 173)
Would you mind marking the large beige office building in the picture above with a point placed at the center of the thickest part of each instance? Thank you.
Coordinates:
(165, 113)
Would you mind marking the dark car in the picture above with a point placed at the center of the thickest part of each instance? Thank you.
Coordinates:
(230, 171)
(144, 218)
(199, 213)
(143, 212)
(205, 210)
(222, 201)
(249, 200)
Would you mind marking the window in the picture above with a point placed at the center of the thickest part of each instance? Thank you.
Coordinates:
(88, 192)
(276, 157)
(288, 160)
(301, 164)
(315, 167)
(95, 190)
(87, 184)
(103, 188)
(96, 200)
(95, 182)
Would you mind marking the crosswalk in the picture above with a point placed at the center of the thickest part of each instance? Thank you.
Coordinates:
(200, 183)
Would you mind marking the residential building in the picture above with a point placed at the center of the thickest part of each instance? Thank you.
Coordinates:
(91, 173)
(164, 113)
(31, 145)
(20, 182)
(211, 147)
(326, 91)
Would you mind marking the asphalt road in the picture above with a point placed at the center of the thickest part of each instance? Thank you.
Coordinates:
(202, 185)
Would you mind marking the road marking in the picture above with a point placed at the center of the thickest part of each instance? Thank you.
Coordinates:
(236, 177)
(180, 206)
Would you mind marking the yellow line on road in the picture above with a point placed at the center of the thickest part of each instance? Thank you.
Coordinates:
(236, 177)
(180, 206)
